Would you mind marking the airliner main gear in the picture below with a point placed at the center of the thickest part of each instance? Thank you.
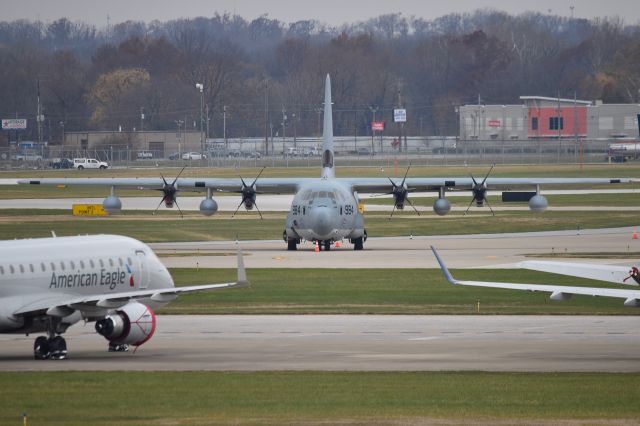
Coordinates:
(54, 348)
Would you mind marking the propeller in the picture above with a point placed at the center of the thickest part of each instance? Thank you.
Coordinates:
(249, 195)
(169, 193)
(479, 191)
(401, 194)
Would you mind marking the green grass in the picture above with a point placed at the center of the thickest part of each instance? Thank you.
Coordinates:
(132, 398)
(380, 291)
(170, 227)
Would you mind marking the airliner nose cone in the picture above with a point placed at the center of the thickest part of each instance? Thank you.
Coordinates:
(321, 222)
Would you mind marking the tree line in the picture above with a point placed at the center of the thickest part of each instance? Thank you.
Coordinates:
(266, 77)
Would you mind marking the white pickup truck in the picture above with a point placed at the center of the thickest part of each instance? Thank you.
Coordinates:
(89, 163)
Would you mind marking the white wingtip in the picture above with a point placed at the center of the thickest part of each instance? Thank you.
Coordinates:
(443, 267)
(241, 280)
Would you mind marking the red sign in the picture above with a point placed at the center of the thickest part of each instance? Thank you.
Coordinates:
(494, 123)
(377, 126)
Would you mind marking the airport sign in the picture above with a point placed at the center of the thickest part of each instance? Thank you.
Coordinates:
(399, 115)
(377, 126)
(14, 123)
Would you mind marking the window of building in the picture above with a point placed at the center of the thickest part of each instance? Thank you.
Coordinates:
(556, 123)
(534, 123)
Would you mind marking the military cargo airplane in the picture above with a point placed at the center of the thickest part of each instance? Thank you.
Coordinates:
(558, 292)
(325, 209)
(49, 284)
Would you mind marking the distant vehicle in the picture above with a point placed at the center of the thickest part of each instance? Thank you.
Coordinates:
(194, 156)
(27, 156)
(145, 155)
(62, 163)
(174, 156)
(252, 154)
(89, 163)
(311, 152)
(364, 151)
(235, 154)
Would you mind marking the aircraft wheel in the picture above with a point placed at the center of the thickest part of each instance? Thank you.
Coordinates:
(292, 244)
(358, 243)
(327, 245)
(58, 347)
(41, 348)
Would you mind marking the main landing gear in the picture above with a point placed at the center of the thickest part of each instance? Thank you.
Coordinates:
(113, 347)
(50, 348)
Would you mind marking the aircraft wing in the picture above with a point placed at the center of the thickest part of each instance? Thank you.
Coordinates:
(628, 275)
(291, 185)
(64, 305)
(558, 292)
(264, 185)
(373, 185)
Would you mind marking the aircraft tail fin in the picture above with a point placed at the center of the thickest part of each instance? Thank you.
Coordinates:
(327, 133)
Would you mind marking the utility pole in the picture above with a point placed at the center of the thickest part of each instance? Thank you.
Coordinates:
(200, 87)
(293, 117)
(208, 120)
(142, 119)
(40, 117)
(266, 116)
(224, 128)
(284, 121)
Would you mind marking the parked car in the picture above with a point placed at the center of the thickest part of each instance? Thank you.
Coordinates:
(174, 156)
(364, 151)
(27, 156)
(89, 163)
(62, 163)
(252, 154)
(145, 155)
(194, 156)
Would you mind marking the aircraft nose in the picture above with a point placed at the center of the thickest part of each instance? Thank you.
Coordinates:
(321, 222)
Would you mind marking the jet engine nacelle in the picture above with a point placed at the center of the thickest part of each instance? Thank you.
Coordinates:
(134, 324)
(441, 206)
(538, 203)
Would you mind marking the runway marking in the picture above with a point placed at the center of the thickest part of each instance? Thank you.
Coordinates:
(451, 332)
(371, 332)
(492, 332)
(413, 339)
(411, 332)
(211, 332)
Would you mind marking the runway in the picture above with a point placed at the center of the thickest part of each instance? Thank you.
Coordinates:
(458, 251)
(356, 343)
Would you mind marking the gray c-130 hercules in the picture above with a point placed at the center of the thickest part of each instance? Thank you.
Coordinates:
(325, 209)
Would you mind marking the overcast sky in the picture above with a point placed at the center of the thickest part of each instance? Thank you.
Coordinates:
(333, 12)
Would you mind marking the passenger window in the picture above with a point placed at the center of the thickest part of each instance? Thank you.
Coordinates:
(120, 261)
(82, 264)
(101, 263)
(53, 266)
(129, 261)
(44, 268)
(21, 269)
(111, 262)
(2, 270)
(31, 268)
(93, 265)
(62, 266)
(11, 269)
(73, 265)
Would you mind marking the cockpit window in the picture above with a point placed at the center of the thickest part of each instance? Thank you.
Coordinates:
(322, 194)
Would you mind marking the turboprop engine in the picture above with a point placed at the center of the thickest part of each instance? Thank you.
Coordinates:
(133, 324)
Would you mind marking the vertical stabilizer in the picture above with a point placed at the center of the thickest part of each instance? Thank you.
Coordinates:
(327, 133)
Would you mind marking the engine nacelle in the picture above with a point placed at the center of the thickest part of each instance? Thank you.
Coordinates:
(538, 203)
(134, 324)
(112, 204)
(441, 206)
(208, 206)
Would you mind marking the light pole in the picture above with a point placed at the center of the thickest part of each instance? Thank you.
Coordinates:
(200, 87)
(224, 128)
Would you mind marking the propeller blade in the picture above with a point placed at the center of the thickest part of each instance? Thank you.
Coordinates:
(469, 206)
(257, 209)
(163, 180)
(393, 211)
(488, 173)
(392, 183)
(175, 201)
(241, 203)
(405, 175)
(486, 200)
(161, 201)
(411, 204)
(256, 179)
(176, 179)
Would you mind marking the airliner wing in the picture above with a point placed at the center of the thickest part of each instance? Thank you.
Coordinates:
(65, 305)
(558, 292)
(628, 275)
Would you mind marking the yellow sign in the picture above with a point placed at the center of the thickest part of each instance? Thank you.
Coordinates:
(361, 208)
(89, 210)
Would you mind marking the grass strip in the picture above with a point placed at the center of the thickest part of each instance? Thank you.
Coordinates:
(141, 398)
